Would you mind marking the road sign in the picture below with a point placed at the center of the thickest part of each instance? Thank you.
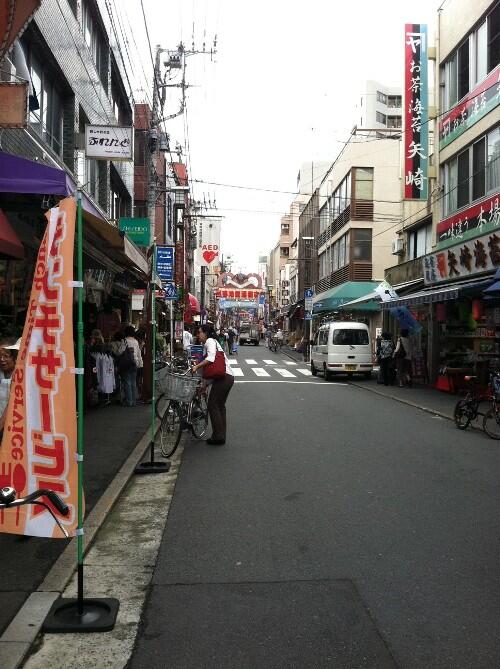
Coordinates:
(170, 290)
(165, 262)
(308, 304)
(309, 293)
(308, 316)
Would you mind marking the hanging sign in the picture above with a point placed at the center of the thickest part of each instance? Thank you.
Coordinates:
(39, 442)
(386, 292)
(165, 263)
(416, 130)
(209, 243)
(109, 142)
(480, 218)
(137, 229)
(13, 104)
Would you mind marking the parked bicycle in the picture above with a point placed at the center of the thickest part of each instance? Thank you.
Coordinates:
(9, 499)
(178, 365)
(468, 409)
(186, 408)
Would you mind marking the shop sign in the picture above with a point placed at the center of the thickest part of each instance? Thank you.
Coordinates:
(179, 329)
(386, 292)
(463, 260)
(416, 131)
(138, 300)
(13, 104)
(209, 243)
(137, 229)
(482, 217)
(165, 263)
(479, 102)
(109, 142)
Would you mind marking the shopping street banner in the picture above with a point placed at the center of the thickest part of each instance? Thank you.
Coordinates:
(38, 448)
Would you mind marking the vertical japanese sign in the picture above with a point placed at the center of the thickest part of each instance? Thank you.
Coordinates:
(209, 247)
(416, 130)
(39, 444)
(165, 263)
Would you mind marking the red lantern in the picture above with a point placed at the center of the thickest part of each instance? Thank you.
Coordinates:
(441, 312)
(477, 310)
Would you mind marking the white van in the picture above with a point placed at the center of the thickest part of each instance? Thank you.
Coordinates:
(342, 347)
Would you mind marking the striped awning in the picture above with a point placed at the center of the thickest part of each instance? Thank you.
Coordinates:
(437, 294)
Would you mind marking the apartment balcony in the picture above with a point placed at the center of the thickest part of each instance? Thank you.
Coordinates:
(412, 270)
(355, 271)
(358, 210)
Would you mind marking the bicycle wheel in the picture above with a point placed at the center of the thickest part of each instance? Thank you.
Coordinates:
(198, 416)
(161, 406)
(491, 423)
(462, 414)
(169, 434)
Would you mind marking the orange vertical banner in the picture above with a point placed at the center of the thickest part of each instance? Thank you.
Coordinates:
(39, 442)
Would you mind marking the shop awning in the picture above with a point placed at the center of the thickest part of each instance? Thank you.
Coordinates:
(334, 298)
(371, 301)
(20, 175)
(10, 244)
(439, 293)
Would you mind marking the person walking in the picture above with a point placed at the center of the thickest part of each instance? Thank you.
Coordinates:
(128, 371)
(220, 387)
(402, 355)
(386, 352)
(230, 339)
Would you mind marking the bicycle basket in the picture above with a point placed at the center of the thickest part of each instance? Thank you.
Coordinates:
(177, 386)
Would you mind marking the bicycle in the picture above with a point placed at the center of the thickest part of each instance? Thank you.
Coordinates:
(9, 499)
(179, 365)
(467, 410)
(187, 408)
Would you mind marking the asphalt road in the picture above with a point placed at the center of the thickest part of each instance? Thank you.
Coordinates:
(336, 528)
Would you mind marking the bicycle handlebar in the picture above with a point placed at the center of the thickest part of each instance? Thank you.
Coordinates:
(8, 498)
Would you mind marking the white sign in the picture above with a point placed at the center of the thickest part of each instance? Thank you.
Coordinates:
(386, 292)
(209, 242)
(463, 260)
(109, 142)
(308, 303)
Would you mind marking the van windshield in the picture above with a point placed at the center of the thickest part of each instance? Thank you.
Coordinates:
(350, 337)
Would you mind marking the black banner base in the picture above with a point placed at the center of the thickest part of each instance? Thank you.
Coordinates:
(97, 615)
(156, 467)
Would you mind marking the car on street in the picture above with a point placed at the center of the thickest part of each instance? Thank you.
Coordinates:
(342, 347)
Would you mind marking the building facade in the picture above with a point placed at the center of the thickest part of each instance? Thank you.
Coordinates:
(379, 106)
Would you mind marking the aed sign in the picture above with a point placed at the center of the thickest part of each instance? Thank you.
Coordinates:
(209, 253)
(109, 142)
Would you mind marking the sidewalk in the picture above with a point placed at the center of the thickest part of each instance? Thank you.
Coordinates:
(419, 396)
(111, 434)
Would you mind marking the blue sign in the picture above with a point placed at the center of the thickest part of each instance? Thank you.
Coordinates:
(165, 263)
(309, 292)
(222, 303)
(262, 299)
(170, 291)
(308, 316)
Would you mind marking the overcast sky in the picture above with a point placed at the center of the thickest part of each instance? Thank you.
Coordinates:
(280, 91)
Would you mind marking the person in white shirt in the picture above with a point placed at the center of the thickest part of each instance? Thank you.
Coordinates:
(129, 375)
(187, 340)
(220, 387)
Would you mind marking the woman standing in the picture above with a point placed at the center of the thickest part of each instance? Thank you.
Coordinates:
(129, 373)
(220, 387)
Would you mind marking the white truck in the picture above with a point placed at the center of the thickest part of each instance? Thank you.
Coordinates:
(249, 334)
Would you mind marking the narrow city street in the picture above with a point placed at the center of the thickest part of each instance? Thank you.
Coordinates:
(335, 528)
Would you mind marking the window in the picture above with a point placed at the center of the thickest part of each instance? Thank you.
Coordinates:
(361, 244)
(382, 97)
(481, 52)
(381, 118)
(88, 173)
(323, 337)
(463, 179)
(478, 169)
(394, 121)
(363, 185)
(419, 242)
(285, 251)
(93, 38)
(493, 160)
(350, 337)
(494, 38)
(47, 121)
(394, 101)
(341, 197)
(463, 70)
(285, 229)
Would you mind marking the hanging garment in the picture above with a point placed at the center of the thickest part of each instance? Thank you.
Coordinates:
(105, 373)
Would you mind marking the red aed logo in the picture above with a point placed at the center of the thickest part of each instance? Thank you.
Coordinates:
(210, 252)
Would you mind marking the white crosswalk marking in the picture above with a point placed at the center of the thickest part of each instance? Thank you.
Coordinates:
(305, 372)
(260, 371)
(284, 372)
(289, 362)
(269, 362)
(251, 361)
(237, 371)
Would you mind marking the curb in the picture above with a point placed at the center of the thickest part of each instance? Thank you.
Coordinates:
(434, 412)
(24, 628)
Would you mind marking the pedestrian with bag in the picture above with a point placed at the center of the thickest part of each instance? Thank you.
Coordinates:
(128, 361)
(385, 356)
(217, 370)
(402, 355)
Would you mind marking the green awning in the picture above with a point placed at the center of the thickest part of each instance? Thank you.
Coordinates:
(334, 298)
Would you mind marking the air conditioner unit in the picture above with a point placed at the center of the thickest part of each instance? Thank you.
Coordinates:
(397, 246)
